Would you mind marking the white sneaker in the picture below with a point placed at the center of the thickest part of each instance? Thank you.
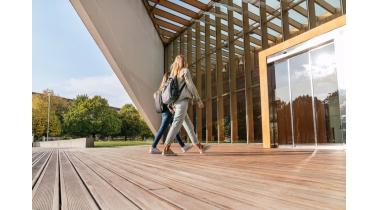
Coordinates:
(205, 147)
(169, 153)
(154, 151)
(186, 147)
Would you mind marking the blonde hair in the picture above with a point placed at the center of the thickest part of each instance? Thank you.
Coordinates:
(178, 64)
(164, 79)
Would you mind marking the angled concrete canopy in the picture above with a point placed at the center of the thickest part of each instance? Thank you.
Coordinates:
(132, 48)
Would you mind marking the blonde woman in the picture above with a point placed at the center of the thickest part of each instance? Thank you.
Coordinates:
(167, 119)
(180, 70)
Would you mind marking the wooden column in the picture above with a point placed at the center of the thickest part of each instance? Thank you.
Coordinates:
(232, 68)
(248, 76)
(312, 19)
(263, 24)
(175, 48)
(343, 6)
(199, 77)
(285, 20)
(182, 51)
(219, 74)
(182, 44)
(170, 56)
(208, 80)
(166, 59)
(189, 60)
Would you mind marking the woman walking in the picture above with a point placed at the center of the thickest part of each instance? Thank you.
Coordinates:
(167, 119)
(189, 91)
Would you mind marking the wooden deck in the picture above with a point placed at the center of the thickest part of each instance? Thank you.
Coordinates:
(225, 177)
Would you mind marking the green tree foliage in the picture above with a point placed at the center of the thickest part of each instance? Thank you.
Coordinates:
(58, 107)
(131, 121)
(90, 117)
(145, 130)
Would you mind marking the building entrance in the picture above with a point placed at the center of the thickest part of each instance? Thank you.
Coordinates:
(304, 100)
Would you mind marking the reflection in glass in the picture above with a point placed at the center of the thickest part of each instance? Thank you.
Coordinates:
(301, 95)
(279, 104)
(326, 97)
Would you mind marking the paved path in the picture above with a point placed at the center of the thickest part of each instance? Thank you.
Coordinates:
(225, 177)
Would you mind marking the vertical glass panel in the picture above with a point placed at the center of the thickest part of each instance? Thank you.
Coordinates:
(226, 75)
(300, 83)
(203, 77)
(279, 104)
(326, 97)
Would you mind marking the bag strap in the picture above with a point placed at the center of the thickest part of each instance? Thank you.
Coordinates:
(182, 87)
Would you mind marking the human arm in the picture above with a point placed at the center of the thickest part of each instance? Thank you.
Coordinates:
(191, 87)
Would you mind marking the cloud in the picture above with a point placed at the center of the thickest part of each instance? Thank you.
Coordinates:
(108, 87)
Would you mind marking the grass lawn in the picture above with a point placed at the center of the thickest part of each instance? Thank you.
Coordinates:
(120, 143)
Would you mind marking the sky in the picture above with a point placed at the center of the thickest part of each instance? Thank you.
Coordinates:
(65, 57)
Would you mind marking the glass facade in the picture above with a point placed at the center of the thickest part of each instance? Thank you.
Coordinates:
(306, 97)
(222, 48)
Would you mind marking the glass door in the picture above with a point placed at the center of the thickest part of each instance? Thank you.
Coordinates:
(326, 95)
(304, 101)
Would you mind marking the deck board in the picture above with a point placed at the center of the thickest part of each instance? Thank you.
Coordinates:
(45, 194)
(74, 194)
(226, 177)
(106, 196)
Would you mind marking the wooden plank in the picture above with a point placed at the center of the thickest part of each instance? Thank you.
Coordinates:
(170, 16)
(231, 179)
(104, 194)
(141, 198)
(226, 177)
(176, 8)
(196, 4)
(45, 194)
(74, 194)
(38, 166)
(170, 190)
(199, 186)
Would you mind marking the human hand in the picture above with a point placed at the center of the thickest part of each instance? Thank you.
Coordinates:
(201, 105)
(171, 111)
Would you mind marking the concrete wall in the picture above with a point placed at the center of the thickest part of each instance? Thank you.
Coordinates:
(126, 36)
(82, 142)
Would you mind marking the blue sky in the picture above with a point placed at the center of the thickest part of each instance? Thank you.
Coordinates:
(65, 57)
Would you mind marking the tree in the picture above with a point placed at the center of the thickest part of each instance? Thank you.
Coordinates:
(58, 107)
(130, 117)
(90, 117)
(145, 131)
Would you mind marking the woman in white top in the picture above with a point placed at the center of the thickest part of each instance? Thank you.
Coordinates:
(180, 70)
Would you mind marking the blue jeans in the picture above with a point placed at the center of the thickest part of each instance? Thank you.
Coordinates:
(167, 119)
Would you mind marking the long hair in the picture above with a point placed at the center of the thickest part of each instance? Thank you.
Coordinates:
(164, 79)
(178, 64)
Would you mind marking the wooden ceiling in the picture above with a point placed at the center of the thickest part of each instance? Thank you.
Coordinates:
(164, 20)
(172, 17)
